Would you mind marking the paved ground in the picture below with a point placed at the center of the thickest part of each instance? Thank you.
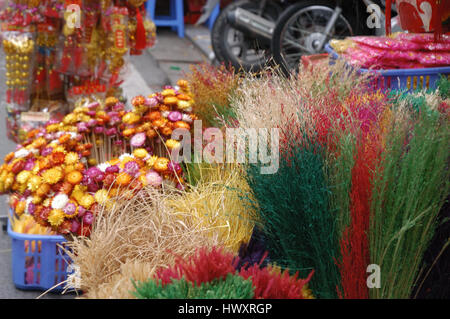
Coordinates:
(162, 65)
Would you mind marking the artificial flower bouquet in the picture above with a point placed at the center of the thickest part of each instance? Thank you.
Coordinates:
(65, 171)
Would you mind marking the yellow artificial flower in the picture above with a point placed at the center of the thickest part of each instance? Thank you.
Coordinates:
(56, 217)
(79, 109)
(39, 142)
(78, 192)
(172, 144)
(37, 200)
(151, 161)
(183, 105)
(131, 118)
(47, 202)
(68, 169)
(34, 182)
(70, 119)
(87, 200)
(101, 196)
(114, 161)
(23, 177)
(143, 179)
(111, 101)
(59, 149)
(101, 113)
(53, 175)
(52, 128)
(36, 168)
(140, 153)
(71, 158)
(168, 92)
(20, 208)
(307, 293)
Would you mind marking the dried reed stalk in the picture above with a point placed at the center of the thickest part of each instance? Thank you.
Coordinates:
(143, 229)
(216, 203)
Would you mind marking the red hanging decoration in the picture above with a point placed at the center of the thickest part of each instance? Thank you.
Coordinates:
(8, 95)
(40, 77)
(141, 39)
(438, 9)
(78, 57)
(65, 61)
(388, 17)
(23, 96)
(113, 79)
(16, 96)
(54, 80)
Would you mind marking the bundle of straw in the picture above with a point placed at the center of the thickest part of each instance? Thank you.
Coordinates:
(142, 230)
(215, 202)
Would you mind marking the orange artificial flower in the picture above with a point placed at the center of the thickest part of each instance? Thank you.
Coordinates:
(123, 179)
(43, 190)
(181, 124)
(64, 139)
(154, 115)
(74, 177)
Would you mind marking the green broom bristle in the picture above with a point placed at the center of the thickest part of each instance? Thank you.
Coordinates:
(294, 212)
(410, 185)
(233, 287)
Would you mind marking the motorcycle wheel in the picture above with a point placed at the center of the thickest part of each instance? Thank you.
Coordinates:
(301, 27)
(234, 47)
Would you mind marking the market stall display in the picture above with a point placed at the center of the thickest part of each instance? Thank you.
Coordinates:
(344, 197)
(54, 47)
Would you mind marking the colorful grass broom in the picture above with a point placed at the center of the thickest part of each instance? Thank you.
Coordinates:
(295, 217)
(410, 184)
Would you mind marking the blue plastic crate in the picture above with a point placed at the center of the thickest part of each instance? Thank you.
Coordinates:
(402, 79)
(38, 263)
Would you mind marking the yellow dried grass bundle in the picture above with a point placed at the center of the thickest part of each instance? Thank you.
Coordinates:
(217, 203)
(119, 285)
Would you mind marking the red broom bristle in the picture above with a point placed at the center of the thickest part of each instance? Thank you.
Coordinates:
(205, 266)
(354, 242)
(269, 283)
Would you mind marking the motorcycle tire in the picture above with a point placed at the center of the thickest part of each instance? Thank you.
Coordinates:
(284, 19)
(221, 30)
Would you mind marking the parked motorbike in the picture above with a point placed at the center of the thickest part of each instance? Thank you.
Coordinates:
(242, 33)
(306, 27)
(248, 33)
